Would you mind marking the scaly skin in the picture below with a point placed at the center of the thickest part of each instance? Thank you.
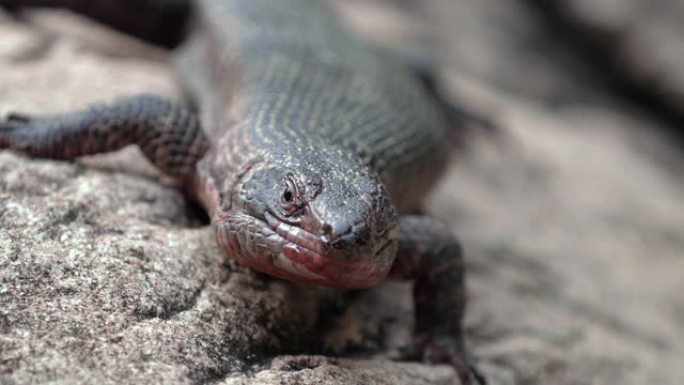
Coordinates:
(313, 148)
(169, 135)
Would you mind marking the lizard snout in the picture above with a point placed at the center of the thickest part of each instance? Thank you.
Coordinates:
(347, 242)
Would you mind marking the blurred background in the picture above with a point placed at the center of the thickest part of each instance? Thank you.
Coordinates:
(572, 214)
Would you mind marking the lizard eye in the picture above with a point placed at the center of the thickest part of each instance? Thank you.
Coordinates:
(290, 199)
(288, 196)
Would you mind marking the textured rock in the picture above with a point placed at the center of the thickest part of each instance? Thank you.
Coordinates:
(288, 370)
(104, 278)
(571, 220)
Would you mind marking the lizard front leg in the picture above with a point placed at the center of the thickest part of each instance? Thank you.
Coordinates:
(167, 133)
(160, 22)
(431, 255)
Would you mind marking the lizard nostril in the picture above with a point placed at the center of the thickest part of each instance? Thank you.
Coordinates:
(351, 239)
(327, 229)
(363, 237)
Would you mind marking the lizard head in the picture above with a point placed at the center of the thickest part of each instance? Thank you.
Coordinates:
(326, 220)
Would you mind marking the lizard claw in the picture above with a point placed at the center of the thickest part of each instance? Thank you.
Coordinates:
(448, 350)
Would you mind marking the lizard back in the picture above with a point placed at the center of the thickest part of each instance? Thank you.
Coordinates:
(286, 77)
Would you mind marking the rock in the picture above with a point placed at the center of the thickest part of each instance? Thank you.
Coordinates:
(288, 370)
(105, 277)
(570, 219)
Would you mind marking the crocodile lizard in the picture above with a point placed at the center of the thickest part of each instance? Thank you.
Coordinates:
(308, 148)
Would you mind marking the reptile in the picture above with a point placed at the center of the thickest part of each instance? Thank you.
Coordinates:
(310, 150)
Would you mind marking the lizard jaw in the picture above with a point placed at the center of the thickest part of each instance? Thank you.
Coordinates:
(306, 250)
(273, 248)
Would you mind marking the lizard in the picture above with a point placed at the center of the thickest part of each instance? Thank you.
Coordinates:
(309, 149)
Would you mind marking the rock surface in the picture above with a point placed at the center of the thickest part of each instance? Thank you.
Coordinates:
(571, 219)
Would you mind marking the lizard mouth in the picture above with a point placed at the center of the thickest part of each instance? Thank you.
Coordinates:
(303, 255)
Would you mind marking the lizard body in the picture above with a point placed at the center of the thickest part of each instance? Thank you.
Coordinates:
(308, 149)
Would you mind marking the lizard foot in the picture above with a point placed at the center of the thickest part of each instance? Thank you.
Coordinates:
(443, 350)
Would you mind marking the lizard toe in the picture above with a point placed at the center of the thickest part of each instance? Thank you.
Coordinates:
(441, 350)
(449, 350)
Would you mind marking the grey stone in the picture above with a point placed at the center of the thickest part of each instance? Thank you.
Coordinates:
(571, 220)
